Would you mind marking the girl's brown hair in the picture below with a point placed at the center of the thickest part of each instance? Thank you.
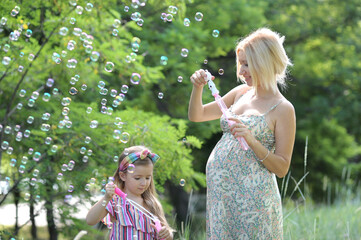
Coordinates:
(150, 195)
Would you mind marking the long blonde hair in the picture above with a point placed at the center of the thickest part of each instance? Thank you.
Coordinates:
(266, 57)
(150, 195)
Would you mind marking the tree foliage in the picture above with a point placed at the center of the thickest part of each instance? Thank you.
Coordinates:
(322, 39)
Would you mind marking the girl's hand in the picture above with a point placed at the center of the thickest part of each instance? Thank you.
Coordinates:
(164, 233)
(199, 78)
(238, 129)
(109, 191)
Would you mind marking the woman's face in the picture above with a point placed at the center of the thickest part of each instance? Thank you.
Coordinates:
(244, 70)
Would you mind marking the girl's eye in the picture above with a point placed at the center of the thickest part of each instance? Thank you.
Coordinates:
(148, 178)
(137, 178)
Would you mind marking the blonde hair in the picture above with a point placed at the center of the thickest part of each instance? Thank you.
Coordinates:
(149, 196)
(267, 59)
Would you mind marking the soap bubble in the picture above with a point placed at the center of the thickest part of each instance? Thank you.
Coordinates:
(140, 22)
(94, 124)
(6, 61)
(73, 2)
(198, 17)
(172, 9)
(163, 60)
(36, 156)
(160, 95)
(215, 33)
(73, 91)
(131, 168)
(60, 176)
(124, 89)
(186, 22)
(94, 56)
(182, 182)
(124, 137)
(63, 31)
(136, 16)
(28, 33)
(72, 63)
(22, 93)
(184, 52)
(66, 101)
(79, 10)
(49, 82)
(4, 145)
(116, 23)
(220, 71)
(87, 139)
(21, 169)
(116, 134)
(77, 31)
(180, 79)
(3, 21)
(27, 196)
(135, 78)
(89, 7)
(109, 66)
(115, 32)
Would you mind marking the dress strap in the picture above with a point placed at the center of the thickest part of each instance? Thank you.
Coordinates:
(272, 107)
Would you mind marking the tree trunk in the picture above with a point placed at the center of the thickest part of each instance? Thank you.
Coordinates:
(53, 232)
(16, 193)
(179, 199)
(34, 232)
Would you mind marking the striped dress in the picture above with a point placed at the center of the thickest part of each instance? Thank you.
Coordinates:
(130, 223)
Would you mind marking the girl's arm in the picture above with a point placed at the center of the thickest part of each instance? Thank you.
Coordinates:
(98, 211)
(197, 112)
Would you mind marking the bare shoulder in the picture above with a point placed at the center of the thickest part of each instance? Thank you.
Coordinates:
(240, 90)
(285, 109)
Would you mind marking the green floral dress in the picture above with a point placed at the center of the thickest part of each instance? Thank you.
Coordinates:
(243, 200)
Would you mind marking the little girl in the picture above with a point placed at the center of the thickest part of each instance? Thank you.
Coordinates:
(134, 177)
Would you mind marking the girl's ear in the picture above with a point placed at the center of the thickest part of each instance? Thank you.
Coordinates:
(122, 176)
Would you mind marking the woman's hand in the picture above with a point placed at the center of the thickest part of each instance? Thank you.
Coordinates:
(109, 191)
(199, 78)
(238, 129)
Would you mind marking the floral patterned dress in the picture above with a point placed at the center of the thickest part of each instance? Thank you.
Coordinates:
(243, 200)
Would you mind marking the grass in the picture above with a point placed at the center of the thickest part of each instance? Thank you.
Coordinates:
(322, 221)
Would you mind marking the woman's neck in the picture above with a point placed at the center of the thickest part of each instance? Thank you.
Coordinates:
(264, 94)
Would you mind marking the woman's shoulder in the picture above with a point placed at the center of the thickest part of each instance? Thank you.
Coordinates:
(240, 90)
(285, 108)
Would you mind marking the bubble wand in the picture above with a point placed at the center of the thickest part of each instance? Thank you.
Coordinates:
(223, 108)
(123, 195)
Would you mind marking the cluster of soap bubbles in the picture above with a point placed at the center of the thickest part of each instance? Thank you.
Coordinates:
(77, 37)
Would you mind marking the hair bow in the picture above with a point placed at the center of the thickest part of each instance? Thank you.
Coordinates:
(132, 157)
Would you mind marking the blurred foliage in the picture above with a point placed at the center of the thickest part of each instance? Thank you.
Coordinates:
(322, 39)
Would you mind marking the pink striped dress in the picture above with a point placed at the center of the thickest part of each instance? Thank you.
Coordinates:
(130, 223)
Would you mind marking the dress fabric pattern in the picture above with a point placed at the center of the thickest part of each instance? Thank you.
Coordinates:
(130, 222)
(243, 200)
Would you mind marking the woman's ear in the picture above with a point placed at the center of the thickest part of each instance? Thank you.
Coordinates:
(122, 176)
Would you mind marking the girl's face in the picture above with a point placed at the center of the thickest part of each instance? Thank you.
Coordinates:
(138, 181)
(244, 70)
